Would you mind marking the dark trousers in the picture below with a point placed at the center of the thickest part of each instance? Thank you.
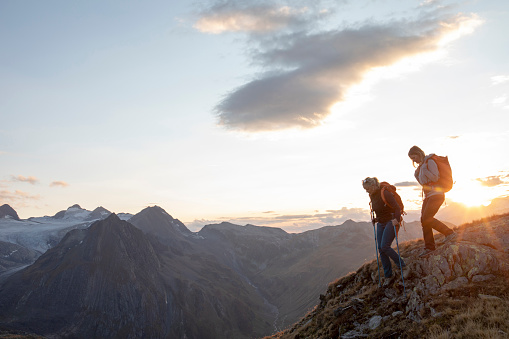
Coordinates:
(384, 236)
(430, 207)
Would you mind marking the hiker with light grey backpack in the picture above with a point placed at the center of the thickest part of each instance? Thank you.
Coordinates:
(435, 175)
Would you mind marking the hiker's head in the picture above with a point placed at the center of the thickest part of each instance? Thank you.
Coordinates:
(416, 154)
(370, 184)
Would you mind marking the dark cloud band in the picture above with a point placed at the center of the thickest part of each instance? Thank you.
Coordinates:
(307, 73)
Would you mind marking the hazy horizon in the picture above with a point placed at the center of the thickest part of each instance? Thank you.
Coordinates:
(455, 213)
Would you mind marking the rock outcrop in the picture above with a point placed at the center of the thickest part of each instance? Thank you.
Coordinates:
(355, 306)
(7, 211)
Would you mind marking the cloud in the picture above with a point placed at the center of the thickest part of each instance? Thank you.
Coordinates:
(59, 184)
(17, 196)
(499, 79)
(491, 181)
(20, 178)
(500, 100)
(407, 184)
(306, 72)
(253, 17)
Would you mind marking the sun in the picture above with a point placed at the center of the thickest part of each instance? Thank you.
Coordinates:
(472, 194)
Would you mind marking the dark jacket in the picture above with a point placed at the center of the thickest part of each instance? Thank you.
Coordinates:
(385, 213)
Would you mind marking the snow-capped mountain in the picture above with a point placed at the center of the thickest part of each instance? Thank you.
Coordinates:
(43, 233)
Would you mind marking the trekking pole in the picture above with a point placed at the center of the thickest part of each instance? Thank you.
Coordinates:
(400, 267)
(376, 249)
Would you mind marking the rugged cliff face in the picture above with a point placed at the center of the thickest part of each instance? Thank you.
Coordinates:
(98, 282)
(460, 279)
(113, 280)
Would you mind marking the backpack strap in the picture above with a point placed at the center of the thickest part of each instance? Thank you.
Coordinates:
(382, 193)
(401, 221)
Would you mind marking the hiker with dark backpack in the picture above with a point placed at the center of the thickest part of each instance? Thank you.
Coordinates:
(435, 176)
(388, 220)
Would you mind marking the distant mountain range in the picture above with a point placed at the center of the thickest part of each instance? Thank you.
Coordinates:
(459, 214)
(98, 274)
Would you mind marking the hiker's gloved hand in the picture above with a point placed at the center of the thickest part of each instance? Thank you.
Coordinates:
(395, 222)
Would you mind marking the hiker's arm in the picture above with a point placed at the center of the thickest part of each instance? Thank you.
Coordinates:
(392, 201)
(429, 173)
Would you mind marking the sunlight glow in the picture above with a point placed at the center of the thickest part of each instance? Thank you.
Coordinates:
(472, 194)
(359, 94)
(462, 26)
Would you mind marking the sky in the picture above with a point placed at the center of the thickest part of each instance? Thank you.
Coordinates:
(254, 112)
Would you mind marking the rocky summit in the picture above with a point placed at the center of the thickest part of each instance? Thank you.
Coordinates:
(7, 211)
(459, 290)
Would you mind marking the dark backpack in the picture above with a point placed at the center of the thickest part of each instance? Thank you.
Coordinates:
(445, 182)
(391, 188)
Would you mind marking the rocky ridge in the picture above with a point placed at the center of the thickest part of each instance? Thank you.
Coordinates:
(7, 211)
(439, 290)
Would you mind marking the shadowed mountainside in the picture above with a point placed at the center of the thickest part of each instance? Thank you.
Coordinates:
(291, 270)
(14, 256)
(226, 281)
(112, 280)
(460, 290)
(95, 280)
(7, 211)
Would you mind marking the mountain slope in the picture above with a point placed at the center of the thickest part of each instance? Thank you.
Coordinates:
(226, 281)
(291, 270)
(112, 280)
(13, 256)
(214, 299)
(460, 284)
(98, 282)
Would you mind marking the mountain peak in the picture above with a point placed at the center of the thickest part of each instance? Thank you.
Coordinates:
(72, 211)
(112, 218)
(99, 213)
(154, 209)
(155, 220)
(7, 211)
(101, 209)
